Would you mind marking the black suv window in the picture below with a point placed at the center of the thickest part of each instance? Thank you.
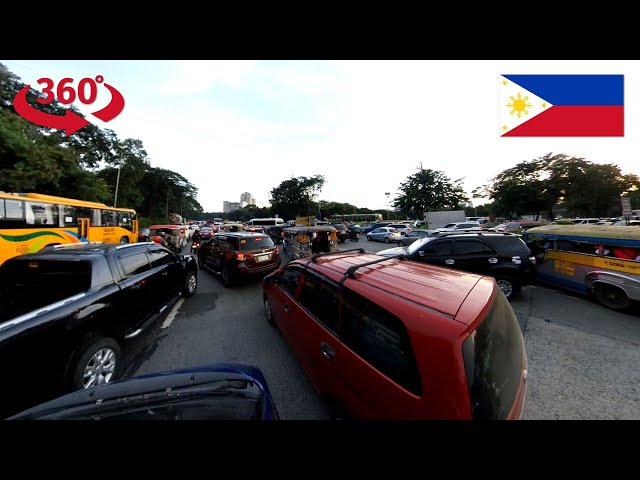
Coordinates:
(380, 338)
(438, 248)
(320, 297)
(472, 247)
(288, 280)
(134, 263)
(160, 257)
(255, 243)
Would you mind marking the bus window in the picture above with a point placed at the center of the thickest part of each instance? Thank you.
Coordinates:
(109, 218)
(69, 218)
(124, 220)
(11, 214)
(96, 217)
(42, 214)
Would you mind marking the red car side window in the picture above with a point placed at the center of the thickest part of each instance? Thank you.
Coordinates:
(320, 298)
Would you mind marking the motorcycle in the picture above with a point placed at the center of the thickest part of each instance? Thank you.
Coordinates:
(353, 236)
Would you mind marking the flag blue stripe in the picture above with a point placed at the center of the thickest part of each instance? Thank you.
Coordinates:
(574, 90)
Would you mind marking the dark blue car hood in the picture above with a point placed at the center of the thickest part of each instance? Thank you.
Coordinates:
(218, 391)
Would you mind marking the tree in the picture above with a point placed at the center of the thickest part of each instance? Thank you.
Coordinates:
(295, 197)
(429, 190)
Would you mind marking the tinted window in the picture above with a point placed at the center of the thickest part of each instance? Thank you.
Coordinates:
(160, 257)
(381, 339)
(493, 357)
(510, 246)
(134, 264)
(320, 298)
(471, 247)
(109, 218)
(438, 248)
(288, 280)
(28, 285)
(256, 243)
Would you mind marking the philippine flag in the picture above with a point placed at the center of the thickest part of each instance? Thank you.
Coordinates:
(562, 105)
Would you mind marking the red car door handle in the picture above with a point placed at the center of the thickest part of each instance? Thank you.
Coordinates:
(287, 307)
(327, 351)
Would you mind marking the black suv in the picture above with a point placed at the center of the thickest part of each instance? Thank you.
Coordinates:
(234, 255)
(503, 256)
(68, 311)
(342, 232)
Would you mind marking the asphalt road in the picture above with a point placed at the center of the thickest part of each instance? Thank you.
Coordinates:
(583, 359)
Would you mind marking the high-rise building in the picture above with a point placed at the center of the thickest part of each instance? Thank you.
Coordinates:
(228, 207)
(247, 199)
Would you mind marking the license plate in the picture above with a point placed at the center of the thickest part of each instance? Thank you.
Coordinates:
(262, 258)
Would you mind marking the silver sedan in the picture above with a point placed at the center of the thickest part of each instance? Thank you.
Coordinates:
(384, 234)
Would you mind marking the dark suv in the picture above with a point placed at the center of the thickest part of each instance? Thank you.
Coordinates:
(503, 256)
(342, 231)
(389, 339)
(234, 255)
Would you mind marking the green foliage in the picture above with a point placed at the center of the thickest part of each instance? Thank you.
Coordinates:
(429, 190)
(295, 197)
(558, 181)
(84, 165)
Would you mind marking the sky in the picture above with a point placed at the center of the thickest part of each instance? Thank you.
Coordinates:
(234, 126)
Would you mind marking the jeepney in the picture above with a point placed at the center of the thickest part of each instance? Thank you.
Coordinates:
(603, 261)
(174, 235)
(302, 242)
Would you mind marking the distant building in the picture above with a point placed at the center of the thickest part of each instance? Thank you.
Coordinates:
(228, 207)
(247, 199)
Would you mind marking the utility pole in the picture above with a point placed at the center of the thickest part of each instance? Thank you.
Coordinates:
(388, 211)
(167, 214)
(115, 200)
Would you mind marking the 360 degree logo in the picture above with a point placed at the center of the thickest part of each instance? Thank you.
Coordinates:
(70, 122)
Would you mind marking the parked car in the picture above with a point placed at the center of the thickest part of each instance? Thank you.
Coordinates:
(504, 256)
(237, 255)
(403, 228)
(372, 226)
(384, 338)
(459, 226)
(70, 309)
(221, 391)
(414, 235)
(384, 234)
(514, 227)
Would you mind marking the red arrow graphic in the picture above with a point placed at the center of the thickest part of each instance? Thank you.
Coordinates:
(69, 122)
(114, 108)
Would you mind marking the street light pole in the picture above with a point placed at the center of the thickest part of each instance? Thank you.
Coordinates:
(388, 211)
(115, 199)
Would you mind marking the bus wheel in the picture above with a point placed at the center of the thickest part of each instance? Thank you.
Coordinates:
(124, 240)
(612, 297)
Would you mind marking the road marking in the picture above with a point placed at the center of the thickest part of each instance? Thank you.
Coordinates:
(172, 313)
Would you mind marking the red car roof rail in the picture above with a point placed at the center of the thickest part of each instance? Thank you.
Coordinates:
(352, 270)
(317, 255)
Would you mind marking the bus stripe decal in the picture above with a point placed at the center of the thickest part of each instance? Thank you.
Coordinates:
(28, 236)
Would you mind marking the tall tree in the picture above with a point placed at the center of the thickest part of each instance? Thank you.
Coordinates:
(429, 190)
(295, 197)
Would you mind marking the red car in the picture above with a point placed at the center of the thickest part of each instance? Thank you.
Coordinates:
(393, 339)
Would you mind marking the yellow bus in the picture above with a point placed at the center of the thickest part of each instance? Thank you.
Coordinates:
(32, 221)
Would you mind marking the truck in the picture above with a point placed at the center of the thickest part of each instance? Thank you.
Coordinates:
(441, 218)
(67, 312)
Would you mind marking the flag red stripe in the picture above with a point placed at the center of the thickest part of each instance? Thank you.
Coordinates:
(583, 121)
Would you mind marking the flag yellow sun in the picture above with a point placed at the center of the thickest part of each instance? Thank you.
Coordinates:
(519, 105)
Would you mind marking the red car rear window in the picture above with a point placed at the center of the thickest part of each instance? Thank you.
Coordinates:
(493, 358)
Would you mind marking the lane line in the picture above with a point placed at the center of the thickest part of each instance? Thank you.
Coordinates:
(172, 313)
